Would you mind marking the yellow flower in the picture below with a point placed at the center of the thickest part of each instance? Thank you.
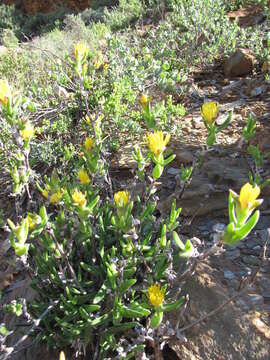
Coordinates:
(45, 193)
(56, 197)
(83, 176)
(80, 50)
(87, 119)
(62, 356)
(5, 92)
(156, 142)
(106, 67)
(28, 132)
(79, 198)
(89, 143)
(144, 100)
(155, 295)
(209, 111)
(248, 196)
(31, 222)
(121, 198)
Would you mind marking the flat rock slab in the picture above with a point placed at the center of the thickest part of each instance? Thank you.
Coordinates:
(208, 190)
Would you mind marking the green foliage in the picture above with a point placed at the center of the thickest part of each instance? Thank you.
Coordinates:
(128, 12)
(258, 157)
(95, 251)
(10, 18)
(237, 4)
(28, 26)
(250, 128)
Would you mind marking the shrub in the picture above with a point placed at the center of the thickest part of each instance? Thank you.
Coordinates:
(11, 18)
(103, 259)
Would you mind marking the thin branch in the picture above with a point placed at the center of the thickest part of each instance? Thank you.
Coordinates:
(35, 325)
(64, 256)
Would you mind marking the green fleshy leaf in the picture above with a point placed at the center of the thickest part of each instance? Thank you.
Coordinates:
(225, 124)
(135, 311)
(211, 138)
(188, 251)
(157, 171)
(126, 284)
(169, 160)
(173, 306)
(156, 319)
(231, 209)
(178, 241)
(247, 228)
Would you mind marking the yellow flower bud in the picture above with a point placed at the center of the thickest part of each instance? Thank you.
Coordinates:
(144, 100)
(83, 176)
(62, 356)
(87, 119)
(5, 92)
(121, 198)
(79, 198)
(157, 143)
(106, 67)
(89, 144)
(56, 197)
(45, 193)
(155, 295)
(28, 132)
(209, 111)
(248, 196)
(31, 222)
(80, 50)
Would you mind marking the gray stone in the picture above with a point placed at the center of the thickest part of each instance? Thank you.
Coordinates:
(266, 295)
(239, 64)
(263, 223)
(246, 251)
(242, 304)
(251, 260)
(229, 275)
(233, 254)
(251, 244)
(247, 270)
(219, 227)
(173, 171)
(183, 156)
(265, 284)
(234, 283)
(241, 245)
(204, 227)
(240, 274)
(264, 270)
(254, 300)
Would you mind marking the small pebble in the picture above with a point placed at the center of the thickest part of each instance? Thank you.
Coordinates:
(254, 300)
(265, 284)
(219, 227)
(229, 275)
(266, 295)
(233, 254)
(257, 248)
(173, 171)
(242, 304)
(251, 260)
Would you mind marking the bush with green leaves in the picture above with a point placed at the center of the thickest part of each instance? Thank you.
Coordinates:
(10, 18)
(25, 26)
(103, 261)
